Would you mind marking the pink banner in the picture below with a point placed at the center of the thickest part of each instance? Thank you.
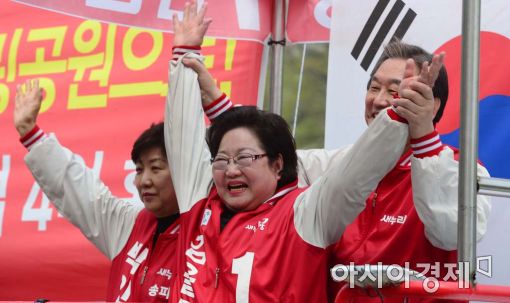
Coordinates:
(247, 20)
(309, 20)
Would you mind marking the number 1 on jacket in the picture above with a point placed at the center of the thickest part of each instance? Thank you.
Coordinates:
(242, 267)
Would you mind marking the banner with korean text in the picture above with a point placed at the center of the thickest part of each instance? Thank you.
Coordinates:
(247, 20)
(104, 84)
(307, 20)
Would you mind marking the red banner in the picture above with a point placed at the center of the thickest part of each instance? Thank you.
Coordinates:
(103, 84)
(309, 20)
(248, 20)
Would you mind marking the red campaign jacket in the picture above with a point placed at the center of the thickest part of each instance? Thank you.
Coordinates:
(141, 272)
(258, 256)
(122, 230)
(389, 231)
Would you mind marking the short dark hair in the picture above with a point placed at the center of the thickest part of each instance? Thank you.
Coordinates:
(399, 50)
(151, 137)
(271, 130)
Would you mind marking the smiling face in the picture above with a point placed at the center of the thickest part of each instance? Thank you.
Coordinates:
(384, 84)
(245, 188)
(154, 183)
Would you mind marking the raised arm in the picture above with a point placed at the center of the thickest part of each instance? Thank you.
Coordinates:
(434, 170)
(323, 211)
(313, 163)
(74, 189)
(208, 89)
(329, 205)
(188, 154)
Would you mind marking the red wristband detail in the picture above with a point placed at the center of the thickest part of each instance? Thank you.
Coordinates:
(178, 51)
(29, 134)
(187, 47)
(218, 107)
(394, 116)
(433, 134)
(32, 137)
(427, 146)
(215, 102)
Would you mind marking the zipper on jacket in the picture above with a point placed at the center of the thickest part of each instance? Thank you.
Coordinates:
(145, 269)
(217, 281)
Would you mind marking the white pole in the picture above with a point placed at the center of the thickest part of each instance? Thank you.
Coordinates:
(494, 187)
(277, 43)
(469, 140)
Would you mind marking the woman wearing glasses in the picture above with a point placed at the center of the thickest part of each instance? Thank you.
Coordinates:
(252, 235)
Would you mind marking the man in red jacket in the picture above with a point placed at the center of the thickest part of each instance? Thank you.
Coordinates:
(411, 218)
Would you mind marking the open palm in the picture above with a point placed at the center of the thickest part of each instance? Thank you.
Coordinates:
(26, 106)
(191, 30)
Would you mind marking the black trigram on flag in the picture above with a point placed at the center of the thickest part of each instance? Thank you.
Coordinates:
(383, 31)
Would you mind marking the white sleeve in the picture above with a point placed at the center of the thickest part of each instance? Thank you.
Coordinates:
(187, 151)
(322, 212)
(313, 163)
(81, 197)
(435, 193)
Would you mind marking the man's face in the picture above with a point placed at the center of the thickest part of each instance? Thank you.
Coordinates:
(383, 85)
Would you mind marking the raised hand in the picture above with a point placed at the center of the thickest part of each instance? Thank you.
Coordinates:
(26, 106)
(428, 73)
(417, 103)
(191, 30)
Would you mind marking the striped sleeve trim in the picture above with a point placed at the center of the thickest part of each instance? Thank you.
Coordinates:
(179, 50)
(32, 137)
(218, 107)
(394, 116)
(427, 146)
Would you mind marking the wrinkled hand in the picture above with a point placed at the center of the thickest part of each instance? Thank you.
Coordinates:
(191, 30)
(416, 102)
(208, 89)
(26, 106)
